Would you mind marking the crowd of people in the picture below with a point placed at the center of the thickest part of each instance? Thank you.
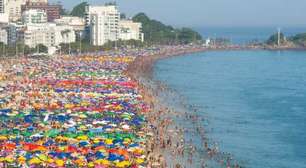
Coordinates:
(93, 110)
(71, 111)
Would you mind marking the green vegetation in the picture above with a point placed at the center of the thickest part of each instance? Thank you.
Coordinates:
(40, 48)
(299, 39)
(155, 32)
(87, 47)
(79, 10)
(273, 40)
(159, 33)
(20, 49)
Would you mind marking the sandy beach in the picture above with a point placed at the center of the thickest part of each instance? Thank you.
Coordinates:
(100, 110)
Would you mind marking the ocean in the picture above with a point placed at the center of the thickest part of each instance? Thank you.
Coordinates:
(244, 35)
(254, 102)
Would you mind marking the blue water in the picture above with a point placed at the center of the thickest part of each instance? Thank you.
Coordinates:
(254, 101)
(244, 35)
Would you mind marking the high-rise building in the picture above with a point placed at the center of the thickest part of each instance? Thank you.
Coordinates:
(3, 33)
(13, 9)
(53, 11)
(129, 30)
(34, 16)
(102, 22)
(77, 23)
(2, 5)
(38, 1)
(48, 34)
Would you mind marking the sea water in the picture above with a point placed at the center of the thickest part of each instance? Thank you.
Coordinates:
(254, 102)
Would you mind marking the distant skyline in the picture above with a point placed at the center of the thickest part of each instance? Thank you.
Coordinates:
(203, 13)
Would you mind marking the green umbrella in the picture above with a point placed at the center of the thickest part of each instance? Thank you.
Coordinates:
(52, 133)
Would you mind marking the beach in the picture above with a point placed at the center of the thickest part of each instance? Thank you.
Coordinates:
(101, 110)
(71, 112)
(173, 123)
(87, 111)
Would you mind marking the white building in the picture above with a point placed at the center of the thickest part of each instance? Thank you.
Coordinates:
(34, 16)
(2, 5)
(48, 34)
(77, 23)
(103, 22)
(129, 30)
(4, 17)
(38, 1)
(3, 35)
(13, 9)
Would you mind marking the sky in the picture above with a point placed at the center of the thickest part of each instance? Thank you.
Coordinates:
(204, 13)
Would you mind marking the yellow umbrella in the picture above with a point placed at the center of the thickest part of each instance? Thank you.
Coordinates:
(21, 159)
(103, 162)
(35, 161)
(139, 161)
(59, 162)
(108, 141)
(50, 160)
(82, 137)
(91, 164)
(3, 138)
(123, 164)
(9, 159)
(83, 116)
(43, 157)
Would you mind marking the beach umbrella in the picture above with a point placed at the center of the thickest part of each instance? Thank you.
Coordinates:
(59, 162)
(52, 133)
(123, 164)
(82, 137)
(3, 138)
(103, 162)
(35, 161)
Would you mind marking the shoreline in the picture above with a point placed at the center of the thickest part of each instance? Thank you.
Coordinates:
(171, 145)
(141, 70)
(175, 135)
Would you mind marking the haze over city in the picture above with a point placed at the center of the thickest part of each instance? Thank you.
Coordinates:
(199, 13)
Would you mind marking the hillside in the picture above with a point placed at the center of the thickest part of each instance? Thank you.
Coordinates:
(158, 33)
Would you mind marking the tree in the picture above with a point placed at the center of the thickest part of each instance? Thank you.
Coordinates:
(158, 33)
(79, 10)
(111, 3)
(187, 35)
(40, 48)
(273, 40)
(122, 15)
(299, 39)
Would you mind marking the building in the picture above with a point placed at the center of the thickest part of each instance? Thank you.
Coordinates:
(2, 5)
(34, 16)
(38, 1)
(13, 9)
(15, 33)
(77, 23)
(3, 33)
(4, 18)
(3, 36)
(52, 10)
(48, 34)
(129, 30)
(102, 22)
